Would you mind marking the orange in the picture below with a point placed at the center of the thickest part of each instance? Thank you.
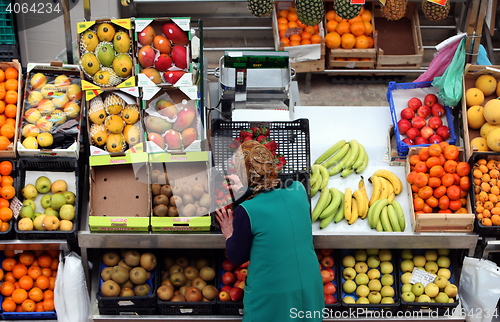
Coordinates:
(2, 75)
(11, 73)
(294, 43)
(44, 260)
(1, 274)
(6, 181)
(282, 20)
(46, 272)
(8, 277)
(11, 121)
(316, 39)
(10, 110)
(19, 270)
(331, 25)
(27, 258)
(2, 90)
(19, 295)
(11, 84)
(8, 264)
(330, 15)
(7, 130)
(28, 305)
(48, 295)
(2, 106)
(2, 120)
(5, 214)
(305, 35)
(355, 19)
(282, 27)
(52, 282)
(357, 28)
(53, 253)
(366, 15)
(343, 27)
(11, 96)
(310, 29)
(295, 37)
(292, 16)
(5, 168)
(39, 306)
(348, 41)
(4, 143)
(7, 192)
(332, 40)
(361, 42)
(285, 41)
(371, 42)
(305, 42)
(293, 24)
(283, 13)
(7, 288)
(451, 152)
(34, 272)
(48, 305)
(463, 169)
(42, 282)
(55, 264)
(4, 226)
(26, 282)
(9, 305)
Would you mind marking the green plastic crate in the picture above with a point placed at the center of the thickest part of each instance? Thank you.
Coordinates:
(7, 26)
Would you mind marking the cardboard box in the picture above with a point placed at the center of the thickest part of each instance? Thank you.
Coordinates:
(303, 58)
(471, 73)
(394, 158)
(11, 151)
(438, 222)
(344, 58)
(55, 106)
(177, 96)
(399, 42)
(88, 83)
(183, 170)
(188, 77)
(119, 193)
(130, 97)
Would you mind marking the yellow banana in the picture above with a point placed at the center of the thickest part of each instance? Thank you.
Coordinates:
(347, 203)
(362, 187)
(354, 211)
(386, 188)
(323, 201)
(393, 218)
(325, 177)
(362, 203)
(377, 189)
(400, 213)
(337, 157)
(394, 179)
(330, 151)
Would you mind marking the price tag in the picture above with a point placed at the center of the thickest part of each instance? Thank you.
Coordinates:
(357, 1)
(15, 206)
(420, 276)
(439, 2)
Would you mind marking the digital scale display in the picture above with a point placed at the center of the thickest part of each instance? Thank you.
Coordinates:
(256, 60)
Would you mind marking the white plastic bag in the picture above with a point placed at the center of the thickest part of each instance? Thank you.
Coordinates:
(59, 305)
(479, 289)
(74, 293)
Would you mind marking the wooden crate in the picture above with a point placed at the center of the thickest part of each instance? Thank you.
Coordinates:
(437, 222)
(369, 53)
(399, 42)
(303, 58)
(471, 73)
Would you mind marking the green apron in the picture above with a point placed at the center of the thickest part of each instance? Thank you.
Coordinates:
(284, 280)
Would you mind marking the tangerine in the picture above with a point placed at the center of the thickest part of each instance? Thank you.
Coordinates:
(423, 153)
(8, 264)
(11, 84)
(42, 282)
(5, 214)
(28, 305)
(19, 295)
(26, 282)
(48, 305)
(7, 130)
(434, 182)
(6, 181)
(439, 191)
(463, 169)
(4, 143)
(34, 272)
(10, 97)
(19, 270)
(332, 40)
(425, 192)
(444, 202)
(4, 226)
(11, 73)
(7, 192)
(357, 28)
(8, 305)
(450, 152)
(5, 168)
(7, 288)
(347, 41)
(436, 171)
(44, 260)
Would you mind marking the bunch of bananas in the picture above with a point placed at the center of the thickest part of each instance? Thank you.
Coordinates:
(385, 215)
(356, 203)
(386, 185)
(329, 207)
(319, 178)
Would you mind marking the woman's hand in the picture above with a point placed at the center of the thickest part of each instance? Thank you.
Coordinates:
(225, 219)
(235, 182)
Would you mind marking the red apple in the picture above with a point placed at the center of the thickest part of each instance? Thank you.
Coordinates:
(414, 103)
(228, 278)
(236, 294)
(403, 126)
(426, 132)
(240, 284)
(329, 288)
(245, 264)
(407, 113)
(413, 133)
(421, 140)
(408, 141)
(434, 122)
(327, 261)
(319, 256)
(226, 288)
(435, 138)
(326, 251)
(331, 271)
(444, 132)
(437, 109)
(430, 99)
(242, 274)
(330, 299)
(227, 265)
(418, 122)
(424, 111)
(326, 277)
(224, 296)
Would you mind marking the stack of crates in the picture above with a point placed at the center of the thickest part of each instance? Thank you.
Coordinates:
(8, 43)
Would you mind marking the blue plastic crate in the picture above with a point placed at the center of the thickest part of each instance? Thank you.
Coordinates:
(402, 147)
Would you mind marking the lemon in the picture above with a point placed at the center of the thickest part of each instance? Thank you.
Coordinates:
(30, 143)
(44, 139)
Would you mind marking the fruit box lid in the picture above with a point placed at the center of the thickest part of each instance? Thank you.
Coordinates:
(185, 84)
(183, 22)
(55, 66)
(165, 157)
(129, 82)
(126, 158)
(84, 25)
(176, 224)
(118, 224)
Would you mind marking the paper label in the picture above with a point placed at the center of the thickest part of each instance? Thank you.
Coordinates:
(84, 25)
(382, 2)
(125, 23)
(15, 206)
(357, 1)
(140, 24)
(439, 2)
(420, 276)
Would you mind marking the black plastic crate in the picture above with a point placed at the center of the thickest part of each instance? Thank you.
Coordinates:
(440, 309)
(127, 310)
(482, 230)
(368, 309)
(8, 53)
(10, 233)
(55, 164)
(292, 138)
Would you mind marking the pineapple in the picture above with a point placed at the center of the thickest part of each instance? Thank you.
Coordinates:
(310, 12)
(394, 9)
(260, 8)
(434, 11)
(345, 9)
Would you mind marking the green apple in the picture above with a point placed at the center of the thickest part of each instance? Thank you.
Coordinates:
(387, 300)
(349, 300)
(405, 278)
(406, 265)
(408, 297)
(444, 272)
(451, 290)
(349, 273)
(431, 255)
(374, 297)
(362, 291)
(385, 255)
(50, 211)
(374, 285)
(360, 255)
(43, 184)
(29, 191)
(57, 201)
(45, 201)
(349, 286)
(442, 297)
(386, 267)
(25, 224)
(362, 300)
(373, 261)
(361, 267)
(30, 202)
(372, 251)
(362, 279)
(36, 214)
(65, 225)
(418, 289)
(387, 291)
(406, 287)
(419, 260)
(423, 298)
(387, 280)
(407, 254)
(67, 212)
(443, 261)
(431, 289)
(373, 273)
(70, 197)
(431, 267)
(38, 222)
(59, 186)
(26, 212)
(348, 261)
